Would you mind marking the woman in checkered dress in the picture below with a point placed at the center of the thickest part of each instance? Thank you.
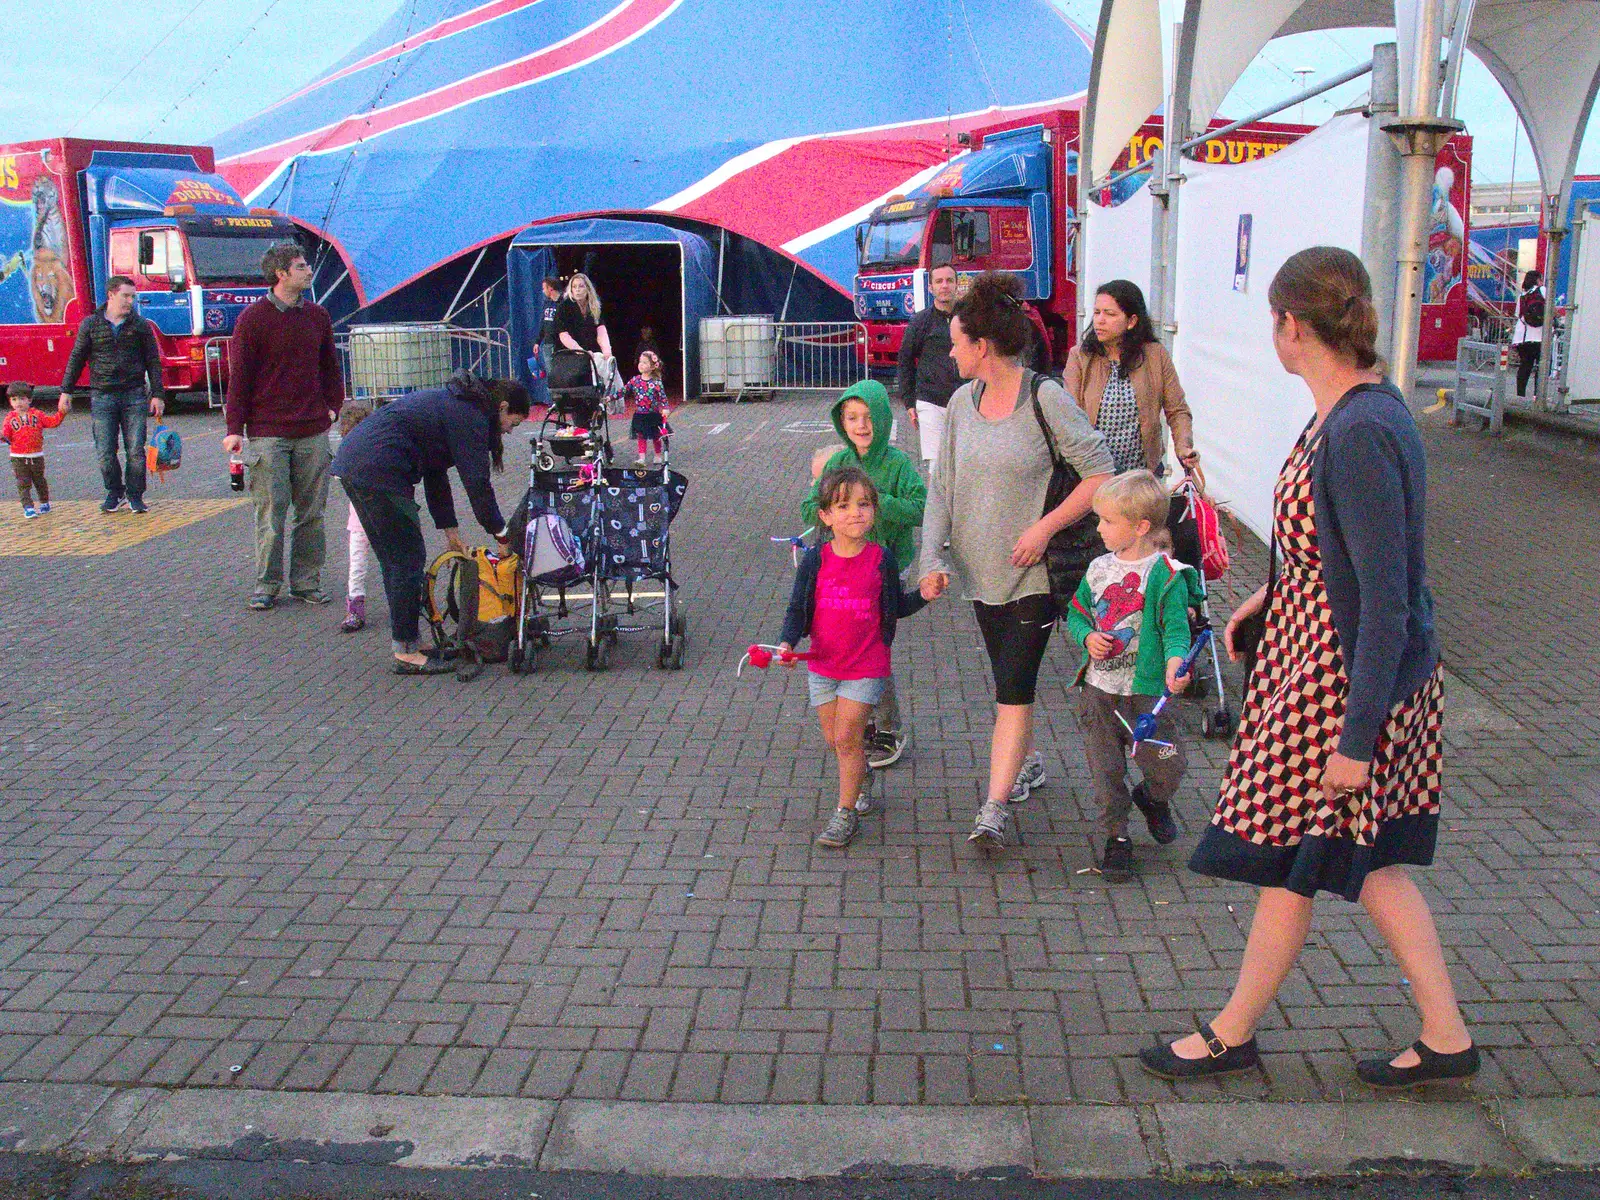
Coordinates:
(1334, 779)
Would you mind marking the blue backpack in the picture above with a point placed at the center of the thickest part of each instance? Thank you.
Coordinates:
(164, 452)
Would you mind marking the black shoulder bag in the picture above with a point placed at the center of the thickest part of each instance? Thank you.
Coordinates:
(1072, 549)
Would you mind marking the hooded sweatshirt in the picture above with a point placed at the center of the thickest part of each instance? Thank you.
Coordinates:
(901, 492)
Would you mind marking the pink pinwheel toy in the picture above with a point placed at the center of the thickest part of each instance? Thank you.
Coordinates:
(761, 657)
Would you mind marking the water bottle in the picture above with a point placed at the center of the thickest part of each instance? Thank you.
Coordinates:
(236, 472)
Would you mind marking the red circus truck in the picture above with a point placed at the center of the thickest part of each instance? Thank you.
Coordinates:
(1008, 203)
(74, 212)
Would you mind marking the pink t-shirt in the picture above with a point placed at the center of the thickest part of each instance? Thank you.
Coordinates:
(846, 634)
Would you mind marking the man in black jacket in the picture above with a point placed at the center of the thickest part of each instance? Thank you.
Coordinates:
(120, 348)
(927, 375)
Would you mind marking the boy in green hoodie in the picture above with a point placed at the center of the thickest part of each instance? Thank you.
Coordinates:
(1131, 616)
(864, 420)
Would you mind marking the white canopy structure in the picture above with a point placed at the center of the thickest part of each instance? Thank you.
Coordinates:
(1544, 53)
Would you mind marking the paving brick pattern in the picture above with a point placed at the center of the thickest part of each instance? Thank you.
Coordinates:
(234, 850)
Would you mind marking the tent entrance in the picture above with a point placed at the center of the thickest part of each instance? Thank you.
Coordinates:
(641, 290)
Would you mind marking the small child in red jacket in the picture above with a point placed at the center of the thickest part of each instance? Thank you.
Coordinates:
(23, 431)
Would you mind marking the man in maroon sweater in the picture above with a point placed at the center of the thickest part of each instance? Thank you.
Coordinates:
(284, 390)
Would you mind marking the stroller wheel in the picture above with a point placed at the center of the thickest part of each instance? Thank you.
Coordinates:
(1218, 724)
(545, 461)
(663, 655)
(597, 655)
(675, 653)
(514, 660)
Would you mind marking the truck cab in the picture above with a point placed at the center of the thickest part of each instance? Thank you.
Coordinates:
(191, 247)
(990, 209)
(74, 212)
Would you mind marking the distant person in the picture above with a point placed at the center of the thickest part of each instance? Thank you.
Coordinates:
(927, 375)
(547, 325)
(647, 341)
(360, 548)
(648, 397)
(284, 391)
(578, 325)
(23, 433)
(1123, 378)
(124, 386)
(1529, 333)
(417, 439)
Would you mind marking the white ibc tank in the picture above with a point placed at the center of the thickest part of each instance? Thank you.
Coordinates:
(738, 354)
(389, 360)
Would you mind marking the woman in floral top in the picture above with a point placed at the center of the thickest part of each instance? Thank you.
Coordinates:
(648, 396)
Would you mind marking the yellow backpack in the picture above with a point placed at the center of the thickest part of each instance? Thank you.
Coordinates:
(472, 601)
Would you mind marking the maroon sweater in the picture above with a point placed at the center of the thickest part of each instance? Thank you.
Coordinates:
(283, 374)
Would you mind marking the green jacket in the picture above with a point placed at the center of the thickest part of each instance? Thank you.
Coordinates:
(1170, 591)
(901, 492)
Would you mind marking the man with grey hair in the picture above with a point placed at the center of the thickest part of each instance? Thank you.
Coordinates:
(284, 391)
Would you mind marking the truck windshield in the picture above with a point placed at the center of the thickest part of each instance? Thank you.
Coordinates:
(231, 257)
(893, 243)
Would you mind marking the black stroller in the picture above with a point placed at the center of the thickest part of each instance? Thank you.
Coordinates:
(575, 427)
(619, 524)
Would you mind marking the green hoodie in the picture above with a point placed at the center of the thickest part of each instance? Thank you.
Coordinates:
(901, 492)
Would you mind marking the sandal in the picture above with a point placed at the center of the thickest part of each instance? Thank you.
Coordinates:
(433, 666)
(1432, 1066)
(1221, 1059)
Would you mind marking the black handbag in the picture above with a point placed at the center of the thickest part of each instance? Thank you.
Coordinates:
(571, 369)
(1248, 633)
(1072, 549)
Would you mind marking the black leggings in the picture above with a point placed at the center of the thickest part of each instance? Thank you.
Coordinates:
(1527, 364)
(1015, 636)
(394, 530)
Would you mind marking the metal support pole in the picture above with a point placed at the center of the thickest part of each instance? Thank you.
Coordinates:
(1161, 218)
(450, 309)
(1380, 229)
(1556, 232)
(1419, 133)
(1177, 123)
(1574, 301)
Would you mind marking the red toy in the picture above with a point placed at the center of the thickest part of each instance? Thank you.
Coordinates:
(761, 657)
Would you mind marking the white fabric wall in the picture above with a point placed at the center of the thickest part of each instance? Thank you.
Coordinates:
(1118, 243)
(1247, 409)
(1583, 371)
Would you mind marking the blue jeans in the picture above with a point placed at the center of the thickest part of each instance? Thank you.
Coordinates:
(120, 414)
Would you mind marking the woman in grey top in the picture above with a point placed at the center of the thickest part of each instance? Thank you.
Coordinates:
(983, 533)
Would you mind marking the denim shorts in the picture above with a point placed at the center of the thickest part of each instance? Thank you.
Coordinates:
(862, 691)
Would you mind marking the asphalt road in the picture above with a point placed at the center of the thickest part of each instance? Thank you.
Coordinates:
(29, 1177)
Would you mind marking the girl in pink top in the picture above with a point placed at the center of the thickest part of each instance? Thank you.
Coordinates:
(847, 598)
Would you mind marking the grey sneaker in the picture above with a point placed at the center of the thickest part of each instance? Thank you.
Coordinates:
(991, 825)
(884, 749)
(1030, 777)
(314, 596)
(842, 827)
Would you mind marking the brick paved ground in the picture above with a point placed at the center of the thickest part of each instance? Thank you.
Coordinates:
(234, 849)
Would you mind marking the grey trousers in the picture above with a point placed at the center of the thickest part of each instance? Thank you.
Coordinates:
(286, 473)
(1106, 743)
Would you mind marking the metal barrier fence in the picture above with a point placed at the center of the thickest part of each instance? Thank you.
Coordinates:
(1480, 384)
(382, 362)
(755, 356)
(216, 358)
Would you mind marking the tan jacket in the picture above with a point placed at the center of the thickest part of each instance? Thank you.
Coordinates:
(1155, 386)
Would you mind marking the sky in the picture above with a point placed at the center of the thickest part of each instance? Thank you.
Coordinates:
(185, 70)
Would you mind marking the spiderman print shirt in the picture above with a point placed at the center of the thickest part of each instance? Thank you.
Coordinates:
(1118, 589)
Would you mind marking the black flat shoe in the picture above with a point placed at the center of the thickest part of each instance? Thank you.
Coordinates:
(1157, 817)
(1222, 1058)
(1433, 1066)
(434, 666)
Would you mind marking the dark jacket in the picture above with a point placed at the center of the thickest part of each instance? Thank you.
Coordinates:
(283, 372)
(585, 330)
(893, 604)
(926, 370)
(119, 358)
(418, 439)
(1369, 488)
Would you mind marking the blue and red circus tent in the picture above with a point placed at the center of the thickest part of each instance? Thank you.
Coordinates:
(459, 124)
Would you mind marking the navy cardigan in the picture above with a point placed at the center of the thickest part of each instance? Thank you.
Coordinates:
(1369, 487)
(893, 604)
